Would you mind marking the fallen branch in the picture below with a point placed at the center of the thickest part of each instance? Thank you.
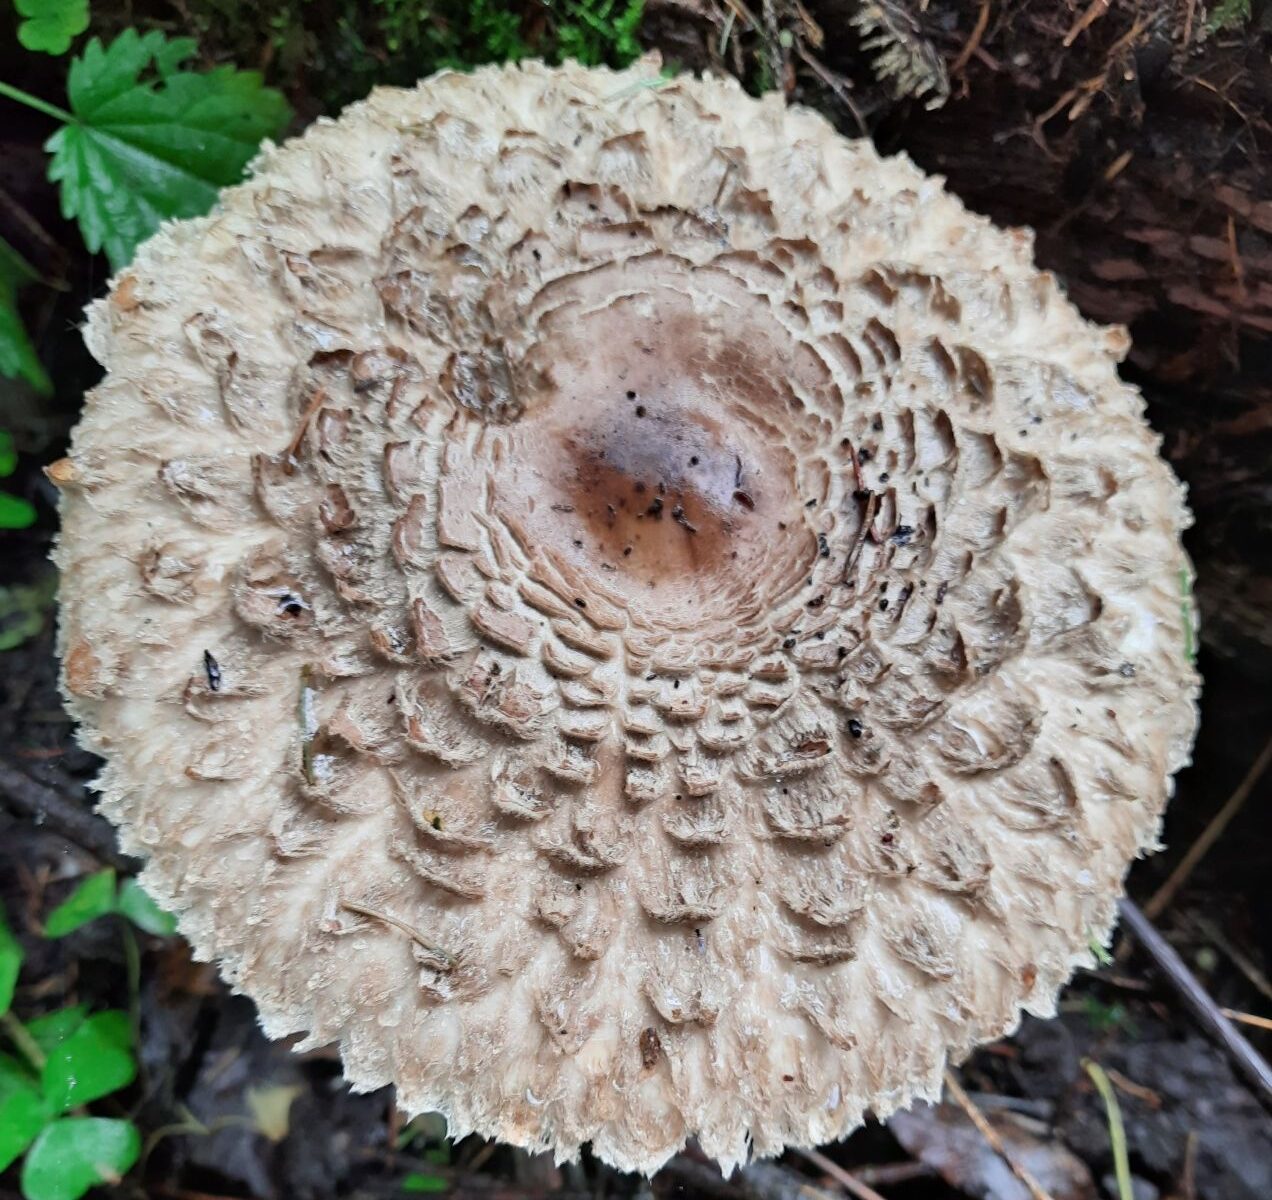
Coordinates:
(53, 810)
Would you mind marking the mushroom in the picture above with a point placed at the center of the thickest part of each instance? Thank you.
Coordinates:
(633, 615)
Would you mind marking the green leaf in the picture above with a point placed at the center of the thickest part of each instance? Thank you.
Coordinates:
(10, 964)
(77, 1153)
(94, 898)
(51, 1030)
(94, 1061)
(17, 356)
(151, 142)
(417, 1181)
(8, 454)
(23, 1112)
(51, 25)
(15, 513)
(135, 903)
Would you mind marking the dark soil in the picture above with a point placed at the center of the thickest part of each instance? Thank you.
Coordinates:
(1140, 154)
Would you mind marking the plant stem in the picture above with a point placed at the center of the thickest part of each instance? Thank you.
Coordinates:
(1117, 1132)
(25, 1043)
(132, 961)
(49, 110)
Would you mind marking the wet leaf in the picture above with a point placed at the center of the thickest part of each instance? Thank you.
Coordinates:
(943, 1137)
(150, 141)
(23, 1112)
(92, 1062)
(135, 903)
(77, 1153)
(93, 898)
(51, 1030)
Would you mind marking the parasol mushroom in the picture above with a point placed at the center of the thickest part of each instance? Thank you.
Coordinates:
(631, 614)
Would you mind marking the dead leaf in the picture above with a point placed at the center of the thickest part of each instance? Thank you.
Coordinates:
(271, 1108)
(944, 1138)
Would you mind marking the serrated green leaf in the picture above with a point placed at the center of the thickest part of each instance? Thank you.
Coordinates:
(23, 1112)
(10, 964)
(51, 25)
(51, 1030)
(78, 1153)
(141, 149)
(94, 1061)
(134, 902)
(18, 359)
(94, 898)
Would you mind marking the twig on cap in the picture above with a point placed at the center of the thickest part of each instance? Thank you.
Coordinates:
(414, 934)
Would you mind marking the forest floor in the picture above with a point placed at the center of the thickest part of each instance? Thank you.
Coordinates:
(1134, 139)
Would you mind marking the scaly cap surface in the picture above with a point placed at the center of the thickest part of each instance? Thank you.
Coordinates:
(632, 615)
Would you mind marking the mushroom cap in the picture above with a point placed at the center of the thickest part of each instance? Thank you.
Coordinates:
(631, 614)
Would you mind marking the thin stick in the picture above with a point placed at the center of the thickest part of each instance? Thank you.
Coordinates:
(836, 85)
(1210, 1017)
(414, 934)
(970, 46)
(1247, 1018)
(850, 1183)
(990, 1134)
(1161, 898)
(22, 1040)
(1189, 1180)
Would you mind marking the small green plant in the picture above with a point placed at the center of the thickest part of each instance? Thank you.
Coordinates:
(1105, 1018)
(425, 1135)
(24, 609)
(1229, 14)
(595, 31)
(143, 140)
(61, 1062)
(70, 1058)
(100, 896)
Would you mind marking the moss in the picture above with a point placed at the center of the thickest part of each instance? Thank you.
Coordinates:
(335, 50)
